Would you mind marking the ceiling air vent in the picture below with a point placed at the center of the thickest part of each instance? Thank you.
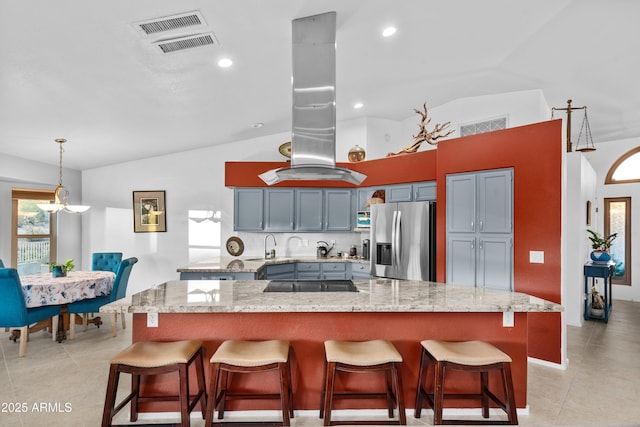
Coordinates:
(187, 42)
(482, 127)
(170, 23)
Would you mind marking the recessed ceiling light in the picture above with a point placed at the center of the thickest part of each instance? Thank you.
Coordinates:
(358, 105)
(225, 63)
(257, 125)
(389, 31)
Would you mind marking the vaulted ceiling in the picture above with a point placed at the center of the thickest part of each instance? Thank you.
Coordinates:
(86, 72)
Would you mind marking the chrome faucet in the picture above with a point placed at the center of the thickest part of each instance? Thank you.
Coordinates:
(272, 253)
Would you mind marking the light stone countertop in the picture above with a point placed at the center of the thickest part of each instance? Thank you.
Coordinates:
(376, 295)
(227, 264)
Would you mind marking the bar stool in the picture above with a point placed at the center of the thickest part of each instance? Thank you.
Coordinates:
(155, 358)
(469, 356)
(245, 357)
(362, 357)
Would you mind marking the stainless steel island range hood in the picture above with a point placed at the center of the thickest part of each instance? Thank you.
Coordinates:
(313, 137)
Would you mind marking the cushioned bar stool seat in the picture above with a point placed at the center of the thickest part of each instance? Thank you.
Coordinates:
(155, 358)
(363, 357)
(469, 356)
(247, 357)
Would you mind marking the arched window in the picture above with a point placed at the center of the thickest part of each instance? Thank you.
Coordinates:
(625, 169)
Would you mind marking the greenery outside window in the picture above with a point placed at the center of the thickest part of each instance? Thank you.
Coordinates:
(617, 219)
(33, 242)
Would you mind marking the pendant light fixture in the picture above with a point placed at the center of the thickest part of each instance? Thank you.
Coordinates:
(61, 195)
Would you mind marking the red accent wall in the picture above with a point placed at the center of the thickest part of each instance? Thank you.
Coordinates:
(534, 152)
(388, 170)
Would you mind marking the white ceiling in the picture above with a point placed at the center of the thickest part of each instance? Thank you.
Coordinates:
(81, 70)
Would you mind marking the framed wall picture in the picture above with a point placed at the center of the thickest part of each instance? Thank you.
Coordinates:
(149, 213)
(588, 212)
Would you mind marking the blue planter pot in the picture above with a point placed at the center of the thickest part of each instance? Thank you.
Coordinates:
(57, 272)
(600, 256)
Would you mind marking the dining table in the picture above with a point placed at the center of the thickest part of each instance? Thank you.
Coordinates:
(44, 289)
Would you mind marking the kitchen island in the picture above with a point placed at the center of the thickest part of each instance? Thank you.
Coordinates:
(402, 311)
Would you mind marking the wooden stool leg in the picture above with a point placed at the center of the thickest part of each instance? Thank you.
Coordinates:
(324, 389)
(183, 375)
(399, 396)
(224, 382)
(328, 395)
(438, 393)
(201, 382)
(213, 390)
(290, 390)
(388, 374)
(110, 398)
(421, 377)
(509, 394)
(284, 393)
(484, 389)
(135, 390)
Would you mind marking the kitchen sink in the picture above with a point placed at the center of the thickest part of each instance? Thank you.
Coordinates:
(311, 286)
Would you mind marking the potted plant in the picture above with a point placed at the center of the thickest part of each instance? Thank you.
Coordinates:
(61, 270)
(600, 246)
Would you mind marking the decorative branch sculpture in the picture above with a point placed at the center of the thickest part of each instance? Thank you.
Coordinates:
(430, 137)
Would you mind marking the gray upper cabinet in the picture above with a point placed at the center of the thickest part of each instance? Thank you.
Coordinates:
(495, 202)
(461, 203)
(480, 229)
(338, 209)
(424, 191)
(279, 209)
(309, 209)
(399, 193)
(248, 209)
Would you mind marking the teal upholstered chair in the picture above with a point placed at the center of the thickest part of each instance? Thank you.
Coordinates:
(13, 307)
(92, 305)
(106, 261)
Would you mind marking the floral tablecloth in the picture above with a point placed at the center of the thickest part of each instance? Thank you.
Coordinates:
(43, 289)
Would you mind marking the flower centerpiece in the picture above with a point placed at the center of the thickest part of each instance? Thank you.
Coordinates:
(61, 270)
(601, 246)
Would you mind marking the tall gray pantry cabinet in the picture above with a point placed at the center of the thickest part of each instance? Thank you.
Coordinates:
(480, 229)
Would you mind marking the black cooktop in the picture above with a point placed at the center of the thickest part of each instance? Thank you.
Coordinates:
(311, 286)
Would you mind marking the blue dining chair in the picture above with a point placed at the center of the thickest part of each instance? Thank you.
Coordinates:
(92, 305)
(106, 261)
(13, 308)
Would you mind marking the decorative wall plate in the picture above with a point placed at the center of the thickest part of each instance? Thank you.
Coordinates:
(235, 246)
(285, 149)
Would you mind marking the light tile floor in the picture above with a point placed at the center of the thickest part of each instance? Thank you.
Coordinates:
(64, 384)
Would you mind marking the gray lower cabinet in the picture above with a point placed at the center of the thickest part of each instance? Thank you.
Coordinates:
(360, 271)
(308, 271)
(334, 270)
(243, 275)
(280, 271)
(248, 209)
(279, 209)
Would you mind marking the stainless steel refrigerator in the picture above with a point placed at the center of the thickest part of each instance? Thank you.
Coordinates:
(403, 240)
